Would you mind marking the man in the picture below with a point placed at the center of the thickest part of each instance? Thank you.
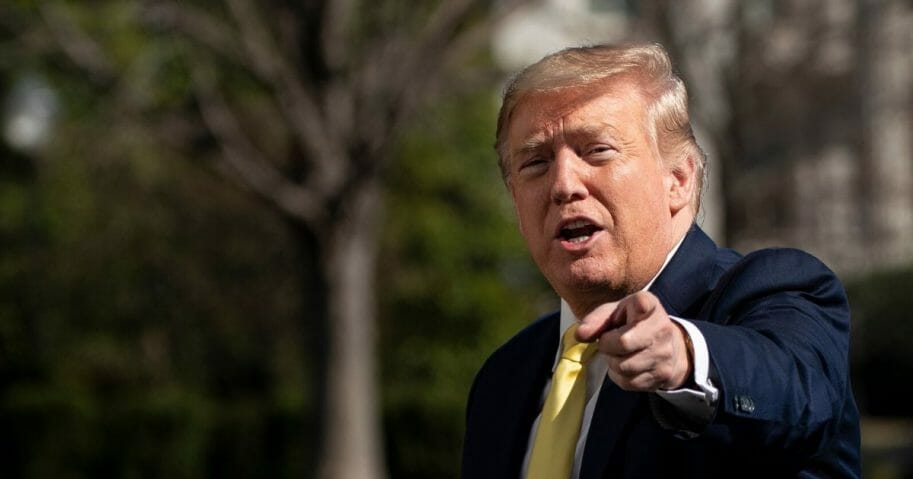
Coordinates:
(709, 364)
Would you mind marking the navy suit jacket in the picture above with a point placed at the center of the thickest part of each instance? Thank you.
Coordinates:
(777, 328)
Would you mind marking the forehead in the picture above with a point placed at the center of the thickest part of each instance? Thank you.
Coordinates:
(617, 104)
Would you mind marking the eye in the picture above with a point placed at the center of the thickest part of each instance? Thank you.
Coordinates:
(533, 166)
(599, 152)
(536, 160)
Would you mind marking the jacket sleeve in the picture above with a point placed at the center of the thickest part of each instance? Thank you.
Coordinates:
(777, 330)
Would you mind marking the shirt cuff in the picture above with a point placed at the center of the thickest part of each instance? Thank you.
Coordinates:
(700, 403)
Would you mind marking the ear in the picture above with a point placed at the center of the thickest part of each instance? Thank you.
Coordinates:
(681, 184)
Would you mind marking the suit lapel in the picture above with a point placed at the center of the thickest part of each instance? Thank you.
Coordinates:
(519, 393)
(613, 410)
(689, 276)
(534, 374)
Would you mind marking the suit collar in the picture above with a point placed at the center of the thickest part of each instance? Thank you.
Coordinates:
(688, 276)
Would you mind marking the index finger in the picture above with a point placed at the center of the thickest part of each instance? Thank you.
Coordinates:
(605, 317)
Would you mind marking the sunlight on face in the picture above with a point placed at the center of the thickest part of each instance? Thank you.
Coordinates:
(591, 195)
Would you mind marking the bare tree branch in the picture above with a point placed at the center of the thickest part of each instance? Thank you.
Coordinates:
(264, 58)
(196, 24)
(442, 45)
(335, 36)
(425, 52)
(298, 103)
(256, 39)
(248, 163)
(75, 43)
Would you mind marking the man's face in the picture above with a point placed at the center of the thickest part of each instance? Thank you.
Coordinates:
(592, 198)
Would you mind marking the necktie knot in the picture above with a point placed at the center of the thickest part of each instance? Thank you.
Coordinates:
(573, 350)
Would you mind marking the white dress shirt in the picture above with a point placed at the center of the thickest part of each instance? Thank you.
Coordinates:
(697, 403)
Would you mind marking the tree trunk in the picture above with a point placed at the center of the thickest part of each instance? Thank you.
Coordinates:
(352, 437)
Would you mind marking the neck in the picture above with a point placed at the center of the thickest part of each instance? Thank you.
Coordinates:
(582, 302)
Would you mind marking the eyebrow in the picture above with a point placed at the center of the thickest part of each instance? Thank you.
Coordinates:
(594, 129)
(533, 143)
(537, 140)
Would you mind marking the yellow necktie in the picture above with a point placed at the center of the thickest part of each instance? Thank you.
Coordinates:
(559, 424)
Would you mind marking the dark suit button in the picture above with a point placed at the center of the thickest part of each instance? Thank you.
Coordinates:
(744, 404)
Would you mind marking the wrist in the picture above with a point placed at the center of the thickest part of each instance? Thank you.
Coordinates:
(684, 359)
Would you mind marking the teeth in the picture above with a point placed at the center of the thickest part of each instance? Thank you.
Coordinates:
(577, 231)
(576, 224)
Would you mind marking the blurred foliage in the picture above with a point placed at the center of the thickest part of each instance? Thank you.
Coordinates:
(455, 281)
(882, 357)
(148, 319)
(150, 312)
(152, 321)
(881, 361)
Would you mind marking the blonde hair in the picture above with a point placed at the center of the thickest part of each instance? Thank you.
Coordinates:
(668, 125)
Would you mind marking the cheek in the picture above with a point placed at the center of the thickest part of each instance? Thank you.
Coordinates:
(525, 218)
(647, 189)
(518, 203)
(531, 225)
(527, 206)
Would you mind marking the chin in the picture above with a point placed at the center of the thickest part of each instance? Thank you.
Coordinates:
(592, 270)
(588, 282)
(587, 274)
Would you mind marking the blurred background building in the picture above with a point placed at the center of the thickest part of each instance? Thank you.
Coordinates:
(809, 101)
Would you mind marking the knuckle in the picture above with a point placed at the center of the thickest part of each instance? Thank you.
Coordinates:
(642, 298)
(643, 382)
(626, 369)
(642, 302)
(625, 342)
(622, 368)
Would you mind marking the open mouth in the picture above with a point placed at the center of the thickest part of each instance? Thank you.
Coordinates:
(577, 231)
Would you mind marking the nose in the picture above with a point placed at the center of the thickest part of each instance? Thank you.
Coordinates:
(568, 185)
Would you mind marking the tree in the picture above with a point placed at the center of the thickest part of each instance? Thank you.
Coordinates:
(300, 104)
